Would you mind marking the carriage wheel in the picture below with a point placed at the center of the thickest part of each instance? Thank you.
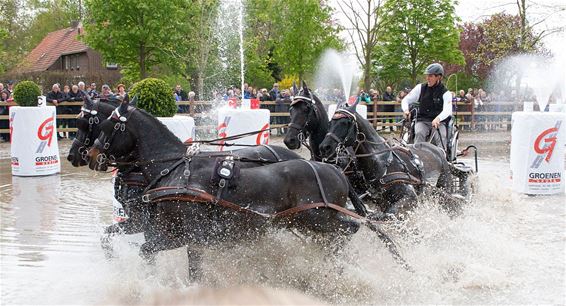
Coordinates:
(454, 146)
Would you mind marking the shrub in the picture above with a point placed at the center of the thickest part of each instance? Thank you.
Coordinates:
(155, 97)
(26, 93)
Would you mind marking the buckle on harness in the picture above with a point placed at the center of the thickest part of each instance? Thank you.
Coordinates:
(222, 183)
(145, 198)
(164, 172)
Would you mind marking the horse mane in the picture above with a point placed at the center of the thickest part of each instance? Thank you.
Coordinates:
(366, 128)
(321, 111)
(164, 131)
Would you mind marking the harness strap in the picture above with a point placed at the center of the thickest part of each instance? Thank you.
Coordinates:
(320, 188)
(279, 159)
(334, 137)
(200, 196)
(163, 173)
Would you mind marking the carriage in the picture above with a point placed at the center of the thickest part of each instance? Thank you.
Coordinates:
(464, 175)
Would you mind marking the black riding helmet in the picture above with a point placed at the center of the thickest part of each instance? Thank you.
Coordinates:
(434, 68)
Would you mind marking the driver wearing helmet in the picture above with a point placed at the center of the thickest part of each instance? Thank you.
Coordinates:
(435, 107)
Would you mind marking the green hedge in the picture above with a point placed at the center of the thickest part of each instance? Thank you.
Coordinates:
(26, 93)
(155, 97)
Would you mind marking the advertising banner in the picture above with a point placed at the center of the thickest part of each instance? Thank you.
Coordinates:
(34, 148)
(237, 121)
(182, 126)
(537, 152)
(360, 109)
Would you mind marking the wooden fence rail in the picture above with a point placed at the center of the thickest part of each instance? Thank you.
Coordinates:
(492, 115)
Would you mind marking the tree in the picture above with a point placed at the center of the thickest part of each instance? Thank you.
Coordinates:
(137, 35)
(486, 43)
(416, 33)
(365, 25)
(304, 29)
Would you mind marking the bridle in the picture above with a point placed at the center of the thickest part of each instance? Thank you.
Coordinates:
(93, 120)
(353, 137)
(119, 125)
(302, 131)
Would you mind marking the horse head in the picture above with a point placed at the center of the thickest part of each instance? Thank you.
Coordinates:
(306, 114)
(88, 129)
(343, 130)
(116, 141)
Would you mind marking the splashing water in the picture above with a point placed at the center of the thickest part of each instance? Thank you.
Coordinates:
(337, 70)
(530, 75)
(504, 249)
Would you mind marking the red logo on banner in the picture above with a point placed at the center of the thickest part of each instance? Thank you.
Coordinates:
(12, 127)
(551, 140)
(45, 131)
(263, 137)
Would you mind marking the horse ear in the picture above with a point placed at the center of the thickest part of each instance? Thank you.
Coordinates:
(305, 88)
(295, 89)
(123, 108)
(353, 107)
(86, 99)
(134, 100)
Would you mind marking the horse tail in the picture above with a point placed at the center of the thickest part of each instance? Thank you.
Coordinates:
(389, 243)
(356, 201)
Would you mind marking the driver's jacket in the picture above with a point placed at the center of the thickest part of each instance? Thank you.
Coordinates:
(433, 101)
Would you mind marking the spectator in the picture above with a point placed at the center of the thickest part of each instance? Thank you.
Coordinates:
(274, 93)
(10, 87)
(4, 124)
(247, 91)
(55, 95)
(181, 95)
(389, 97)
(121, 95)
(4, 96)
(264, 95)
(92, 91)
(82, 86)
(192, 96)
(1, 87)
(75, 95)
(388, 94)
(66, 91)
(281, 106)
(106, 94)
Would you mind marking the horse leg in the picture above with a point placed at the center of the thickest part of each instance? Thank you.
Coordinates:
(389, 243)
(157, 243)
(195, 260)
(356, 201)
(401, 198)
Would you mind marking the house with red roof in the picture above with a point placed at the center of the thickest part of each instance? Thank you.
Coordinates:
(62, 51)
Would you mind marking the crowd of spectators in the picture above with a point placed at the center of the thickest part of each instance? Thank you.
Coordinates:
(476, 100)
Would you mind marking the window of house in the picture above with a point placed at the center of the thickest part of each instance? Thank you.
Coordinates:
(66, 63)
(77, 56)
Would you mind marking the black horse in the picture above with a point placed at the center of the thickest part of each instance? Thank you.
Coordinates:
(200, 204)
(309, 121)
(392, 175)
(130, 182)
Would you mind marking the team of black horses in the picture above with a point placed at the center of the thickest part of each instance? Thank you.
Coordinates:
(179, 194)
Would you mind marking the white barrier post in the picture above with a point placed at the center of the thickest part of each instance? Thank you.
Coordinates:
(34, 149)
(537, 152)
(237, 121)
